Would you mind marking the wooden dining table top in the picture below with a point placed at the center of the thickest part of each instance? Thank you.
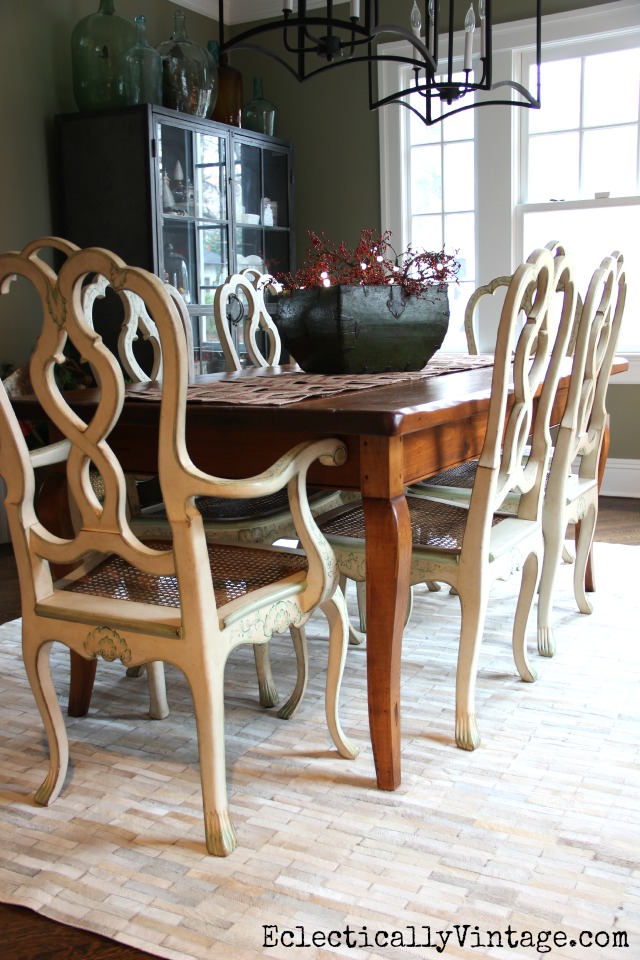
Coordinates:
(395, 434)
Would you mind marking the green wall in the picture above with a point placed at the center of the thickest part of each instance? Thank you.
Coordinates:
(335, 139)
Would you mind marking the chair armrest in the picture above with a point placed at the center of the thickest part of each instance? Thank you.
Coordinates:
(330, 452)
(52, 453)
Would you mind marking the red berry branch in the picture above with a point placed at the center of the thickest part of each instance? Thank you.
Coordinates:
(372, 262)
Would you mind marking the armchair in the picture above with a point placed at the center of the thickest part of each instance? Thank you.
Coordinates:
(182, 601)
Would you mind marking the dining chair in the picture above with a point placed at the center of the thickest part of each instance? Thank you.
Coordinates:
(183, 601)
(266, 519)
(469, 548)
(576, 462)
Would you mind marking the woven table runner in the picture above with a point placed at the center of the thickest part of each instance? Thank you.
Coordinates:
(273, 390)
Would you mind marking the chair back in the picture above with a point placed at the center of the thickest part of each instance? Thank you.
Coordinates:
(516, 448)
(103, 526)
(136, 323)
(581, 431)
(479, 299)
(246, 291)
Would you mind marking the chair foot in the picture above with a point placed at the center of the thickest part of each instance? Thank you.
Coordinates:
(433, 586)
(467, 736)
(356, 638)
(299, 640)
(546, 642)
(220, 834)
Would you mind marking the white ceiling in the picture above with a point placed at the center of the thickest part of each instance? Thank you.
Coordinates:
(241, 11)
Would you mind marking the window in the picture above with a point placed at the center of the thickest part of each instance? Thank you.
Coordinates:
(441, 201)
(531, 176)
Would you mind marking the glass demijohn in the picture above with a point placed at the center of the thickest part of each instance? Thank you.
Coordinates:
(143, 66)
(228, 105)
(259, 114)
(189, 73)
(98, 45)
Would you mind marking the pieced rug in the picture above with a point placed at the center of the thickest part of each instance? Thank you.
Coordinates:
(527, 847)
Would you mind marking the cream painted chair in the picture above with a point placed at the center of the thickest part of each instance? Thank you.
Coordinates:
(262, 520)
(470, 547)
(185, 602)
(573, 482)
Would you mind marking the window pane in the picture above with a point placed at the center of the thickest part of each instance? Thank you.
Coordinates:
(458, 176)
(462, 126)
(459, 235)
(609, 161)
(558, 112)
(611, 88)
(426, 180)
(419, 132)
(459, 294)
(553, 167)
(588, 236)
(427, 232)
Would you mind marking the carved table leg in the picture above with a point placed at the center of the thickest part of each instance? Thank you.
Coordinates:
(388, 551)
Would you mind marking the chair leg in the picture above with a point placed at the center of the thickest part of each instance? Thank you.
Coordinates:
(528, 587)
(584, 546)
(267, 691)
(433, 586)
(356, 638)
(158, 706)
(207, 686)
(361, 591)
(473, 608)
(82, 678)
(335, 611)
(299, 638)
(553, 547)
(38, 666)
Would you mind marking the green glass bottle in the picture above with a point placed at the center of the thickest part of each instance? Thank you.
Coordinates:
(98, 45)
(143, 68)
(259, 114)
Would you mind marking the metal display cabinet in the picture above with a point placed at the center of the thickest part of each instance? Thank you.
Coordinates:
(188, 199)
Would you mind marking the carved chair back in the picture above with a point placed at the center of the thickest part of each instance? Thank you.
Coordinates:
(246, 291)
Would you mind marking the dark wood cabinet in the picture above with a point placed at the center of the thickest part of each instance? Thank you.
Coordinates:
(188, 199)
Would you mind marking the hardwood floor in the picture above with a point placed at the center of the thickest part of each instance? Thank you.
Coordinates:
(24, 935)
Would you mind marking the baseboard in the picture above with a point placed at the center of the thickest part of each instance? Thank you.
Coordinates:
(621, 478)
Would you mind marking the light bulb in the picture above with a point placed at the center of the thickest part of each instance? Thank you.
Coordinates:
(416, 19)
(470, 20)
(483, 27)
(326, 282)
(469, 27)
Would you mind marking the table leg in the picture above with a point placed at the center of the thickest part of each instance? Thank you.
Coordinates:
(388, 546)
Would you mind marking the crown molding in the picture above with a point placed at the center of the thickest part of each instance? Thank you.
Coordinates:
(243, 11)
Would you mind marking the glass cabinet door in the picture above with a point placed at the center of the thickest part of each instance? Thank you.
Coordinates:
(261, 198)
(213, 182)
(194, 237)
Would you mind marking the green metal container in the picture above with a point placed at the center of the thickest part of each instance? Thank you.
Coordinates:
(361, 329)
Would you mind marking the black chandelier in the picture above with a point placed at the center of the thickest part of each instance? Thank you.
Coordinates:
(307, 38)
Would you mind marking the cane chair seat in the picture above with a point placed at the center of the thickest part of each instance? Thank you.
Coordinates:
(184, 600)
(235, 572)
(434, 525)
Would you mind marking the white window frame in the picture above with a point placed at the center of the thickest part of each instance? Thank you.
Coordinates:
(497, 137)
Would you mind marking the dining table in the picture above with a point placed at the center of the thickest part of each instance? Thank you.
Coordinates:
(397, 428)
